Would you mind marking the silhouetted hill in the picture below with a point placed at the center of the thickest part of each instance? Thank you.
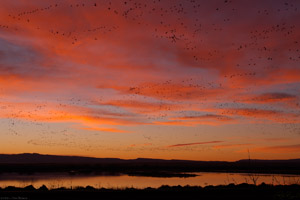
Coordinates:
(31, 158)
(32, 163)
(35, 158)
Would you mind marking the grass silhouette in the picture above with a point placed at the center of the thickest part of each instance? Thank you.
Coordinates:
(231, 191)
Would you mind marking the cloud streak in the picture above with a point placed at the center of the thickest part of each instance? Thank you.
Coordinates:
(272, 97)
(195, 143)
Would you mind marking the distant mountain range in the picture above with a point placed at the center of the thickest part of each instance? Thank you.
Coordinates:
(32, 163)
(35, 158)
(32, 158)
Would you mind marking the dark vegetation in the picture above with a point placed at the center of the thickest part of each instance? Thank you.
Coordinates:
(241, 191)
(36, 163)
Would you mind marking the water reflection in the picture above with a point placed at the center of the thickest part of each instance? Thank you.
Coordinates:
(123, 181)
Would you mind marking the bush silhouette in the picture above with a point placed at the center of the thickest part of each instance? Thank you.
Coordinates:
(43, 187)
(29, 187)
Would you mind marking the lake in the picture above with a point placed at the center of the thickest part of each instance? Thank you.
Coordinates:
(123, 181)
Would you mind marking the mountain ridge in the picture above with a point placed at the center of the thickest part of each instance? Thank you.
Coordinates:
(37, 158)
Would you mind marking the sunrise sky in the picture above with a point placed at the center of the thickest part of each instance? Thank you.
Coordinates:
(170, 79)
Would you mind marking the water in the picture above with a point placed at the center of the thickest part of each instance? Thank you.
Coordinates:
(123, 181)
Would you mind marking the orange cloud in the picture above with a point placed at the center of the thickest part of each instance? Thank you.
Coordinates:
(62, 113)
(175, 123)
(173, 91)
(143, 105)
(113, 130)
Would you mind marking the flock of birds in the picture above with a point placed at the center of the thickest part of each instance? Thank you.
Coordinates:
(169, 23)
(178, 24)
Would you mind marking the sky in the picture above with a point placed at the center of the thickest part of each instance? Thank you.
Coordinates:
(169, 79)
